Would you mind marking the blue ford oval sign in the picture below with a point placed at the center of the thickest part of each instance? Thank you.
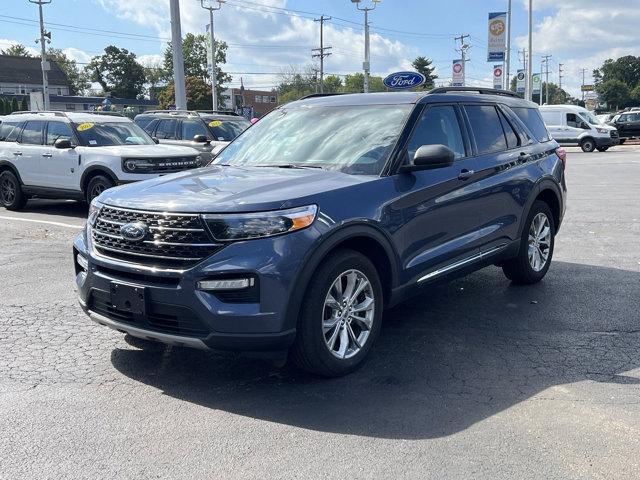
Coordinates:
(400, 80)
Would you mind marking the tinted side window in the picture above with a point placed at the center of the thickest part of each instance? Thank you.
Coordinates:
(166, 130)
(191, 128)
(512, 137)
(486, 128)
(437, 125)
(58, 130)
(531, 118)
(573, 120)
(32, 133)
(9, 131)
(143, 120)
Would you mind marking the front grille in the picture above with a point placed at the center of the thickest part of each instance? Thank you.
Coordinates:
(614, 134)
(174, 240)
(162, 165)
(160, 317)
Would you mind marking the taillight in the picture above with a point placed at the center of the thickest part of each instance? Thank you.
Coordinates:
(562, 155)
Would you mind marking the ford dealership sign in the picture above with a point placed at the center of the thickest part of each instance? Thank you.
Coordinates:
(400, 80)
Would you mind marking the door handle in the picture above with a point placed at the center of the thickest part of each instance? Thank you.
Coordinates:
(48, 155)
(465, 174)
(17, 153)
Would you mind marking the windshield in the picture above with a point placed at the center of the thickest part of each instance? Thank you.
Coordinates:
(590, 117)
(96, 134)
(225, 130)
(351, 139)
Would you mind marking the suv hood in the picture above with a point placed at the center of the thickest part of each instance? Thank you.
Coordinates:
(229, 189)
(143, 151)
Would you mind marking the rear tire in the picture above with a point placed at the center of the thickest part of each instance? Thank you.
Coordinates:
(96, 186)
(602, 149)
(11, 195)
(536, 247)
(588, 145)
(335, 334)
(622, 140)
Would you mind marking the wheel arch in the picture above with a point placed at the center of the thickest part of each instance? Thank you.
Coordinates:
(4, 165)
(92, 171)
(361, 237)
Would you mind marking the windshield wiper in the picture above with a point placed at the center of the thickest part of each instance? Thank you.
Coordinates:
(291, 165)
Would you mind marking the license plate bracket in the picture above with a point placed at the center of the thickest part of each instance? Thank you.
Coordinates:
(128, 298)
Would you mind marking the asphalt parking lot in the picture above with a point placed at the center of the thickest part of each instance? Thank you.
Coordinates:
(474, 379)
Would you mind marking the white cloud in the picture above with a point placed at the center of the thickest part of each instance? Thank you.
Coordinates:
(6, 43)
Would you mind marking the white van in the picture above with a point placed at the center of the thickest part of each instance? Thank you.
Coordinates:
(574, 125)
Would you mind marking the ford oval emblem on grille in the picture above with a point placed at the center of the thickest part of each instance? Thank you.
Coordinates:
(134, 232)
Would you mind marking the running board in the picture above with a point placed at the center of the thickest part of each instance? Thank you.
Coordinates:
(462, 263)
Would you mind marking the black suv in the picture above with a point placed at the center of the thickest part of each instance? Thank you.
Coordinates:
(627, 124)
(321, 215)
(207, 131)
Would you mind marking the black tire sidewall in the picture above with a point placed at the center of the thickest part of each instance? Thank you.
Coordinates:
(92, 183)
(530, 273)
(585, 142)
(310, 334)
(20, 199)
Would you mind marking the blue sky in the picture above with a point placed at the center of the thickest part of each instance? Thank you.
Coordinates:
(267, 36)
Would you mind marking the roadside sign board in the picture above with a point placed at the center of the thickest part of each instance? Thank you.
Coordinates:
(536, 82)
(586, 88)
(521, 78)
(457, 79)
(497, 36)
(497, 77)
(404, 80)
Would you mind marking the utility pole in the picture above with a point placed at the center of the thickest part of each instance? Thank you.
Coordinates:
(545, 59)
(507, 53)
(321, 51)
(214, 80)
(366, 65)
(43, 52)
(560, 75)
(178, 60)
(528, 87)
(463, 54)
(583, 72)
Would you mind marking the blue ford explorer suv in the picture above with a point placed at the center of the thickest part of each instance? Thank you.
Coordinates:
(320, 216)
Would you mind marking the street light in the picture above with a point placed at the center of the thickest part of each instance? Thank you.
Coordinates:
(211, 8)
(366, 65)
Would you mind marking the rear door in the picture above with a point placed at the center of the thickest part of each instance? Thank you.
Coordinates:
(61, 165)
(28, 152)
(438, 219)
(554, 120)
(634, 124)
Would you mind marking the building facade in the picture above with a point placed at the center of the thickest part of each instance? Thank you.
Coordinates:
(23, 75)
(254, 103)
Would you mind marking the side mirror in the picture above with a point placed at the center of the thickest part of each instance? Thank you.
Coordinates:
(428, 157)
(200, 138)
(63, 143)
(155, 140)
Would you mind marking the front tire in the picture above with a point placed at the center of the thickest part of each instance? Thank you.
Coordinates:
(536, 247)
(603, 149)
(341, 315)
(588, 145)
(96, 186)
(11, 195)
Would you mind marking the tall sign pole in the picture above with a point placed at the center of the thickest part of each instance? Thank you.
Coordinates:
(507, 53)
(178, 60)
(366, 65)
(43, 52)
(529, 88)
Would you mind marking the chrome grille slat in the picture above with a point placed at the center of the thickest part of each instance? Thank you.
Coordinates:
(173, 240)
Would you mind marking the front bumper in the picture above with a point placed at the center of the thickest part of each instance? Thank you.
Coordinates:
(178, 313)
(607, 141)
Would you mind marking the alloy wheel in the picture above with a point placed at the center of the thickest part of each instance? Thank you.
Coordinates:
(539, 243)
(348, 314)
(8, 190)
(97, 189)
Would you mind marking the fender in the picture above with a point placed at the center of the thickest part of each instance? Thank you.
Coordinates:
(544, 183)
(97, 168)
(322, 247)
(5, 165)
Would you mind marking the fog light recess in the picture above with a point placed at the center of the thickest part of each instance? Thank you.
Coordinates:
(226, 284)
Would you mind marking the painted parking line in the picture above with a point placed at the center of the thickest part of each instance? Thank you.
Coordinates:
(46, 222)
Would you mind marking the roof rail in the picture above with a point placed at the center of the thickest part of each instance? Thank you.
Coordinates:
(314, 95)
(27, 112)
(115, 114)
(481, 90)
(190, 112)
(221, 112)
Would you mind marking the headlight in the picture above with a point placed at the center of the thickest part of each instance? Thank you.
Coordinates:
(94, 210)
(244, 226)
(136, 165)
(602, 130)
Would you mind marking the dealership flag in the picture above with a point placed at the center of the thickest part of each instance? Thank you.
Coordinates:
(497, 77)
(522, 78)
(497, 36)
(457, 79)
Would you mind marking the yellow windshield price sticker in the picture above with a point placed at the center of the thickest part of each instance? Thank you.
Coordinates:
(215, 123)
(85, 126)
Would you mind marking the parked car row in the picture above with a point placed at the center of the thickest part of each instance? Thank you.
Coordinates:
(79, 155)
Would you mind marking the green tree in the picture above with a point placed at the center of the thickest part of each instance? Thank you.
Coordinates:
(624, 69)
(198, 94)
(423, 66)
(635, 95)
(295, 84)
(614, 92)
(118, 72)
(78, 80)
(2, 111)
(332, 84)
(23, 104)
(17, 50)
(14, 105)
(194, 52)
(354, 83)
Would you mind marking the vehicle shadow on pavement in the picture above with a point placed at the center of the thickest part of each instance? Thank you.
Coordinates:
(450, 358)
(63, 208)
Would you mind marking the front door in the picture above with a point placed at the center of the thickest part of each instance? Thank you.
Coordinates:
(60, 164)
(27, 153)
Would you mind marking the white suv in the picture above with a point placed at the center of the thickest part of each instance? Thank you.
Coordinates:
(78, 155)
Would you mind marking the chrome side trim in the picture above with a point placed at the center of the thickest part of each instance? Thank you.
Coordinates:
(147, 334)
(462, 263)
